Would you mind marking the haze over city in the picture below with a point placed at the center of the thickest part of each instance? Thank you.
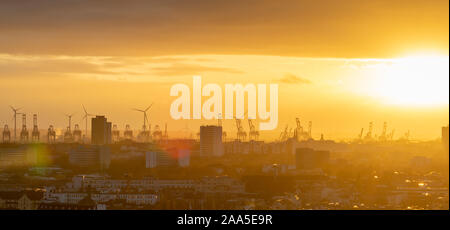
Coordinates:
(392, 72)
(360, 122)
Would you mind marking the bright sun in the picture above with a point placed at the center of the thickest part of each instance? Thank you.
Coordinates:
(415, 80)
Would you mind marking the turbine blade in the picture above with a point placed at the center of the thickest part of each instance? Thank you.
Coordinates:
(148, 107)
(14, 109)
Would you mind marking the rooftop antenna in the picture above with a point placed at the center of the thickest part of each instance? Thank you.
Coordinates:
(15, 121)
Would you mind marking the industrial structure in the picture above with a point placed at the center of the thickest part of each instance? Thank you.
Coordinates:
(115, 134)
(253, 134)
(77, 135)
(241, 135)
(51, 134)
(157, 134)
(299, 133)
(128, 133)
(24, 135)
(6, 138)
(35, 134)
(68, 136)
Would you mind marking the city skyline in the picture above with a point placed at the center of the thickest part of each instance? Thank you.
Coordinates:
(391, 66)
(245, 105)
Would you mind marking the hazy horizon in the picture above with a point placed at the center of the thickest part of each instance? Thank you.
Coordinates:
(340, 66)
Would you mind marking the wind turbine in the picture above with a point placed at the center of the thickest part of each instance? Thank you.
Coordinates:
(145, 115)
(86, 116)
(15, 120)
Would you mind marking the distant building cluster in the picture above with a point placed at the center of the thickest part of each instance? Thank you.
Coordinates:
(294, 172)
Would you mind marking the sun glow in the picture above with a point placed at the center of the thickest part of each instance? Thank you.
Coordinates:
(416, 80)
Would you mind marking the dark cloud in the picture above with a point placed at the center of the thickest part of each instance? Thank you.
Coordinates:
(323, 28)
(292, 79)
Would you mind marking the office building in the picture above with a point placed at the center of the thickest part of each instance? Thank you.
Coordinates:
(211, 140)
(101, 131)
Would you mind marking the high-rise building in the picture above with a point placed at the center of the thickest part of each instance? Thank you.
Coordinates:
(444, 137)
(101, 131)
(307, 158)
(211, 140)
(93, 156)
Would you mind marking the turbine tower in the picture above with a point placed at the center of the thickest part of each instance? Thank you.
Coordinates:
(145, 116)
(15, 121)
(144, 134)
(86, 116)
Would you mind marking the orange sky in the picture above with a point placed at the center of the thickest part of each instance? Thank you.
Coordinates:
(337, 63)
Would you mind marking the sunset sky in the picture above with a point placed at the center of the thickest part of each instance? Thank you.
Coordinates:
(338, 65)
